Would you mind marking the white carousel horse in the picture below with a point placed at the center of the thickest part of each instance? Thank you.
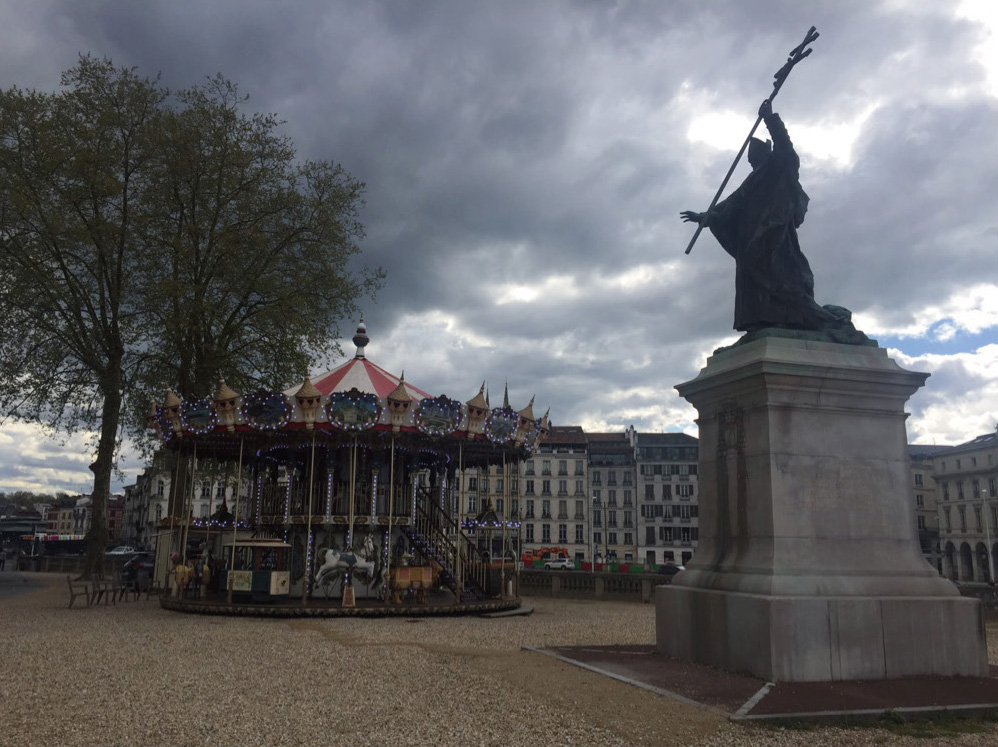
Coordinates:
(337, 564)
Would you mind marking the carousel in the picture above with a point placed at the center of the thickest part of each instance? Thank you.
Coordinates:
(349, 498)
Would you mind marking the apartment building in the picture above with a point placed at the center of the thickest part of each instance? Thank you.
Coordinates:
(612, 489)
(668, 519)
(555, 482)
(967, 496)
(923, 484)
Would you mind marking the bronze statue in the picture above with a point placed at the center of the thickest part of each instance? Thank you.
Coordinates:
(757, 225)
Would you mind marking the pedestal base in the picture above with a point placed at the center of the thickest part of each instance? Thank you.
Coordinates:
(822, 638)
(808, 566)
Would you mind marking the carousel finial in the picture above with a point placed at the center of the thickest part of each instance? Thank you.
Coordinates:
(360, 339)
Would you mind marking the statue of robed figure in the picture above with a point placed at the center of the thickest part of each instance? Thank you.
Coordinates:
(757, 225)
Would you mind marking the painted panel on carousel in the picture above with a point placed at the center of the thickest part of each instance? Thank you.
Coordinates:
(439, 416)
(198, 416)
(266, 410)
(500, 427)
(354, 410)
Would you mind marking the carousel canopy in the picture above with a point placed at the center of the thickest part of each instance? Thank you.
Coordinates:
(359, 373)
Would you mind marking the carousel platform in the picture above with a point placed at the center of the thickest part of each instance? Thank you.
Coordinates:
(443, 605)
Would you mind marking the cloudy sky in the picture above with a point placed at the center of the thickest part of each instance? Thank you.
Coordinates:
(526, 164)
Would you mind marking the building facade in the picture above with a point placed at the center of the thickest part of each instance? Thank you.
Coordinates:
(668, 519)
(612, 489)
(967, 497)
(923, 483)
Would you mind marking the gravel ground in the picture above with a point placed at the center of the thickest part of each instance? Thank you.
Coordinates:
(135, 674)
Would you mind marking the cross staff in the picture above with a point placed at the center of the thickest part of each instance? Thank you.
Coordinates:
(796, 55)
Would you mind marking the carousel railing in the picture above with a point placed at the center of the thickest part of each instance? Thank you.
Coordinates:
(438, 536)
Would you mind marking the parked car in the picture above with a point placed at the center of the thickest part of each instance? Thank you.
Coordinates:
(670, 569)
(121, 550)
(559, 564)
(140, 561)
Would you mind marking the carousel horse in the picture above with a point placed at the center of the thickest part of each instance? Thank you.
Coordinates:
(337, 564)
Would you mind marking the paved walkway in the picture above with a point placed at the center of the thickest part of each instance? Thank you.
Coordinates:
(744, 697)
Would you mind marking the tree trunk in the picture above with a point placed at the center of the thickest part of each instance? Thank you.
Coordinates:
(97, 533)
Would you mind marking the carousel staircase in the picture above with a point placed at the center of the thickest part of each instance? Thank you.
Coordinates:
(438, 537)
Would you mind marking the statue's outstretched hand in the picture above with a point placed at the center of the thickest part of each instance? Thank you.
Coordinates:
(689, 216)
(766, 108)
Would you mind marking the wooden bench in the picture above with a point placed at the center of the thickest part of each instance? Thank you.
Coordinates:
(78, 589)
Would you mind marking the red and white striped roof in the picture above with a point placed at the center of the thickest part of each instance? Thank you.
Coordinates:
(361, 374)
(365, 376)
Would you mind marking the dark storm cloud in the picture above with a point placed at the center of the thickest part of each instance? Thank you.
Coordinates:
(526, 163)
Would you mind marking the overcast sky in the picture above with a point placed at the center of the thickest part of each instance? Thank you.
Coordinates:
(526, 164)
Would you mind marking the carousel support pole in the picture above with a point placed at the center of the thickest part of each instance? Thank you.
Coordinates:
(349, 598)
(189, 508)
(235, 521)
(391, 507)
(308, 530)
(459, 539)
(177, 490)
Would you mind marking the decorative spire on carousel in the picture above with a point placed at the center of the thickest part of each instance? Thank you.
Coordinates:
(308, 399)
(226, 405)
(478, 409)
(360, 338)
(399, 403)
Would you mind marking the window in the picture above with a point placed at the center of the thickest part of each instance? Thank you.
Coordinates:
(963, 517)
(545, 509)
(580, 488)
(649, 492)
(612, 497)
(976, 488)
(562, 466)
(991, 488)
(921, 522)
(546, 467)
(596, 477)
(562, 487)
(611, 478)
(219, 490)
(959, 490)
(597, 539)
(977, 517)
(578, 467)
(499, 485)
(667, 492)
(579, 510)
(918, 480)
(516, 507)
(530, 487)
(611, 518)
(545, 532)
(205, 490)
(472, 504)
(529, 533)
(530, 510)
(563, 533)
(562, 509)
(949, 522)
(920, 500)
(485, 485)
(530, 468)
(684, 491)
(473, 483)
(627, 497)
(204, 510)
(958, 464)
(945, 491)
(513, 486)
(159, 488)
(499, 506)
(612, 538)
(597, 518)
(579, 536)
(628, 540)
(546, 487)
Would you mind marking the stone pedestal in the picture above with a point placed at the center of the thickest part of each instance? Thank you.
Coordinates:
(808, 566)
